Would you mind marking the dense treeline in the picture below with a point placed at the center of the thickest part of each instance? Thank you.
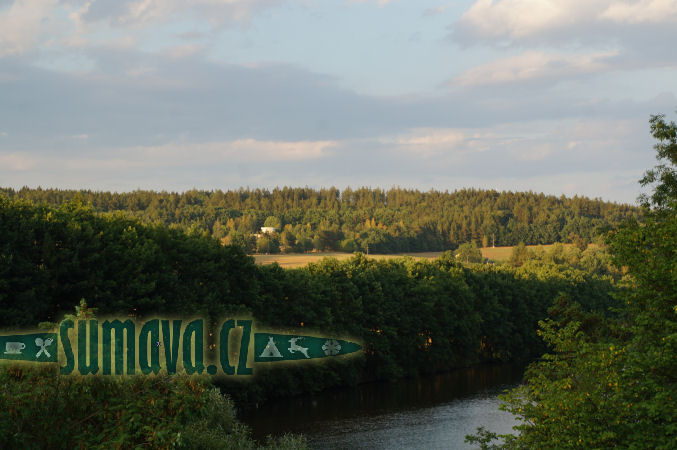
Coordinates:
(51, 258)
(412, 316)
(367, 220)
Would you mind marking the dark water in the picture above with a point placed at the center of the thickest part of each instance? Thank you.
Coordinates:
(428, 413)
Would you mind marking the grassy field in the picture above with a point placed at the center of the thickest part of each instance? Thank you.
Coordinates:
(301, 259)
(500, 254)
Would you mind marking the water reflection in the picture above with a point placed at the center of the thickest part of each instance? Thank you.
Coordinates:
(428, 412)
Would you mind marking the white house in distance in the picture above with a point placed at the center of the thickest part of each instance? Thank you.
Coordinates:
(266, 230)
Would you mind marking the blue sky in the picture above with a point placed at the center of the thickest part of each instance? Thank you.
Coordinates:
(547, 96)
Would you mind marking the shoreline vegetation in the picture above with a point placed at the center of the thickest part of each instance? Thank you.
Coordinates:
(611, 382)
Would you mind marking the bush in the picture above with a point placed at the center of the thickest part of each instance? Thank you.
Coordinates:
(42, 409)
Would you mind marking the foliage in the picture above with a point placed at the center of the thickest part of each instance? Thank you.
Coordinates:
(469, 253)
(520, 255)
(272, 221)
(119, 412)
(593, 259)
(615, 384)
(42, 409)
(663, 200)
(412, 316)
(392, 221)
(51, 258)
(268, 243)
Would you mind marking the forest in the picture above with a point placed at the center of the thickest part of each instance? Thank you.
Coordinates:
(367, 220)
(413, 316)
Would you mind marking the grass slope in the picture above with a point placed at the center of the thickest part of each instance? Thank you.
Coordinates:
(499, 254)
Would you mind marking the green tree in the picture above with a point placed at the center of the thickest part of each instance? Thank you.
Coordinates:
(376, 240)
(329, 239)
(305, 244)
(664, 197)
(349, 245)
(288, 240)
(245, 242)
(580, 243)
(520, 254)
(618, 388)
(268, 244)
(469, 253)
(272, 221)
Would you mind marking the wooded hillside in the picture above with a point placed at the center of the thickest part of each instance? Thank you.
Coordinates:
(367, 220)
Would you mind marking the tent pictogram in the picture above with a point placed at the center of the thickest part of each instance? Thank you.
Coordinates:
(271, 350)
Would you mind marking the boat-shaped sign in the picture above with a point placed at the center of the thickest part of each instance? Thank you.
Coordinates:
(126, 347)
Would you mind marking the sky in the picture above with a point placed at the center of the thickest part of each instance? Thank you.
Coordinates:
(548, 96)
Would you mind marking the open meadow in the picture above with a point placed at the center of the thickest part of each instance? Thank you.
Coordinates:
(301, 259)
(292, 260)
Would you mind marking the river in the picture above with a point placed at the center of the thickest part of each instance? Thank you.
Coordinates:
(427, 413)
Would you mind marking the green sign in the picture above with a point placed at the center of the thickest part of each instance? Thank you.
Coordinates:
(125, 347)
(270, 347)
(40, 347)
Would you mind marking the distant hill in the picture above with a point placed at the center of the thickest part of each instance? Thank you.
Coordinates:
(374, 220)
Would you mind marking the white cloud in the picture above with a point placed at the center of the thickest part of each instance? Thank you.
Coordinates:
(17, 162)
(561, 39)
(513, 18)
(115, 164)
(240, 150)
(144, 12)
(183, 51)
(435, 11)
(553, 145)
(27, 24)
(518, 20)
(535, 65)
(179, 155)
(427, 142)
(427, 137)
(277, 150)
(21, 25)
(378, 2)
(652, 11)
(537, 152)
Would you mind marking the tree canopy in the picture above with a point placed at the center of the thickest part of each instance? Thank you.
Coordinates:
(367, 220)
(613, 384)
